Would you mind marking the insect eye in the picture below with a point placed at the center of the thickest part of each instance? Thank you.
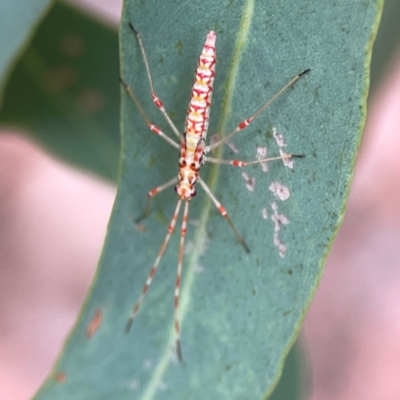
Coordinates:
(194, 193)
(183, 163)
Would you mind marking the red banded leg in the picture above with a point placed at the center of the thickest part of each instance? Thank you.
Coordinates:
(178, 281)
(153, 270)
(152, 127)
(237, 163)
(248, 121)
(156, 100)
(224, 213)
(153, 192)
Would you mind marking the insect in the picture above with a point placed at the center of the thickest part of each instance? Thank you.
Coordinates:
(192, 156)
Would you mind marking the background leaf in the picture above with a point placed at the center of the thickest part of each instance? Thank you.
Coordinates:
(387, 42)
(240, 312)
(64, 91)
(18, 20)
(293, 384)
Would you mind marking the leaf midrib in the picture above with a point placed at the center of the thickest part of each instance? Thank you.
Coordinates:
(201, 235)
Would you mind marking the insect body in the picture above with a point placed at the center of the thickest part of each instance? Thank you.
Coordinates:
(193, 144)
(193, 154)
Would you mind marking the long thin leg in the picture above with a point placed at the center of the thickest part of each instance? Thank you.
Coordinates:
(237, 163)
(152, 127)
(178, 281)
(153, 192)
(153, 270)
(248, 121)
(224, 213)
(156, 99)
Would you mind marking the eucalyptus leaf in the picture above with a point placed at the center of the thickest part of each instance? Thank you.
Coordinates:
(64, 91)
(295, 377)
(240, 313)
(387, 43)
(18, 21)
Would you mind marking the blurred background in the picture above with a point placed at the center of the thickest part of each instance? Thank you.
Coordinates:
(54, 217)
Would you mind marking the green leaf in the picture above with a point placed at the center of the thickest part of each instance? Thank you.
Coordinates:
(64, 91)
(387, 42)
(18, 20)
(295, 376)
(240, 313)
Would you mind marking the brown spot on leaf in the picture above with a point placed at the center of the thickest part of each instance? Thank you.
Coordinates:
(72, 45)
(140, 228)
(61, 77)
(94, 324)
(61, 377)
(91, 100)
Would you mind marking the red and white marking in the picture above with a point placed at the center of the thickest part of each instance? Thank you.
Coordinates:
(192, 156)
(280, 141)
(278, 220)
(280, 191)
(264, 213)
(233, 147)
(261, 154)
(250, 182)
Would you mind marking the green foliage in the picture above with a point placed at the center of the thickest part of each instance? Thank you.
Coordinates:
(295, 376)
(64, 91)
(18, 19)
(240, 312)
(387, 42)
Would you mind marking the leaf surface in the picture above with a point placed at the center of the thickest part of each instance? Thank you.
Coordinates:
(240, 313)
(64, 91)
(18, 20)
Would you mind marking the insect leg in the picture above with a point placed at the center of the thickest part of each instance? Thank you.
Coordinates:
(237, 163)
(248, 121)
(152, 127)
(224, 213)
(153, 192)
(153, 270)
(156, 100)
(178, 281)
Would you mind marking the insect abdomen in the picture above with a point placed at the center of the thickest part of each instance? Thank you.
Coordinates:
(200, 102)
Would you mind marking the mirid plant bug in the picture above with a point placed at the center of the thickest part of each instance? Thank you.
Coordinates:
(193, 155)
